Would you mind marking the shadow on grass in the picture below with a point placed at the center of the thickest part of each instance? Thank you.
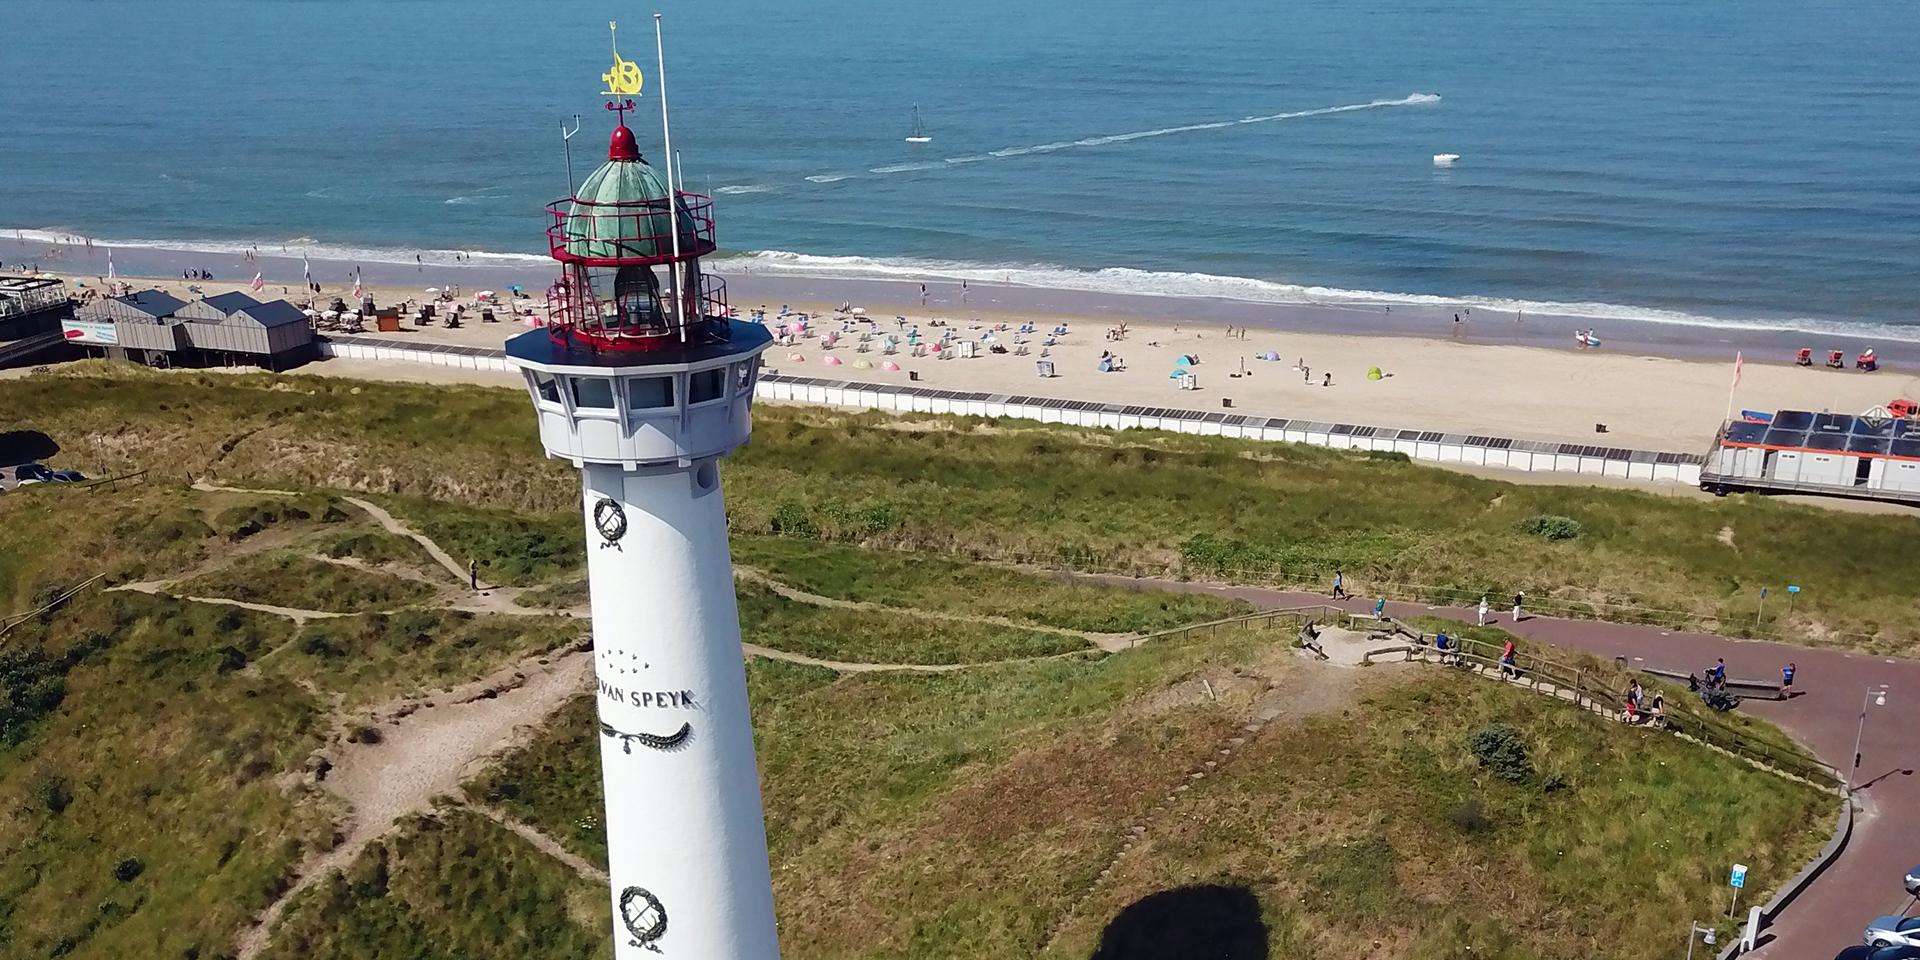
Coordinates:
(1216, 922)
(25, 446)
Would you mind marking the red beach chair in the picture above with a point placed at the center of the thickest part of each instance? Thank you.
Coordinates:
(1867, 361)
(1836, 360)
(1804, 358)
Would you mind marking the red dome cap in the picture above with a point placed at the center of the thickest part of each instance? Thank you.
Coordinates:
(622, 146)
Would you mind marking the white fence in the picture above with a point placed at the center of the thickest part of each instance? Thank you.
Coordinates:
(1430, 445)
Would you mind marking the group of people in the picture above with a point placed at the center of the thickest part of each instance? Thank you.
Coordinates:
(1637, 708)
(196, 274)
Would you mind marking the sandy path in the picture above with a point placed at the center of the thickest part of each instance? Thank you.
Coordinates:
(1105, 641)
(426, 754)
(394, 526)
(545, 843)
(297, 615)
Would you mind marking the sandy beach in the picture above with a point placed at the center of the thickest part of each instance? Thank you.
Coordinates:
(1451, 384)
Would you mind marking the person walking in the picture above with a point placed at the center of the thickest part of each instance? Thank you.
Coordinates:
(1483, 610)
(1380, 609)
(1508, 668)
(473, 574)
(1339, 586)
(1718, 676)
(1786, 680)
(1517, 598)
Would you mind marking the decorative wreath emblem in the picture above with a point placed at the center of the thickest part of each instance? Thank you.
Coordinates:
(610, 520)
(643, 916)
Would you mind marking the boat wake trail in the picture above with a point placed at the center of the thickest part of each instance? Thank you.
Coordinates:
(1101, 141)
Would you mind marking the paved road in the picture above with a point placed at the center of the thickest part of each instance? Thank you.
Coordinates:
(1865, 881)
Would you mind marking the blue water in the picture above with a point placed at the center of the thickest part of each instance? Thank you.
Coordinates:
(1697, 162)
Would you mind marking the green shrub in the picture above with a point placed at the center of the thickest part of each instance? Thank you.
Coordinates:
(1501, 749)
(1551, 527)
(53, 794)
(127, 870)
(790, 519)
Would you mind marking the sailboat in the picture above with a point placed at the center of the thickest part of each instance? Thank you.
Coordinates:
(918, 134)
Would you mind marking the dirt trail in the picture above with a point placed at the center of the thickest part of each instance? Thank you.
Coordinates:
(547, 844)
(1109, 642)
(425, 752)
(297, 615)
(394, 526)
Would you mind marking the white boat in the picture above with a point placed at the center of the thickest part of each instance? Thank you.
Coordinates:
(918, 133)
(1445, 159)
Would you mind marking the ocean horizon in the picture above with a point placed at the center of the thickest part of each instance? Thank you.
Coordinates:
(1621, 161)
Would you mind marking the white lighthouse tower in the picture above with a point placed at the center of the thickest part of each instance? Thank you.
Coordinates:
(643, 382)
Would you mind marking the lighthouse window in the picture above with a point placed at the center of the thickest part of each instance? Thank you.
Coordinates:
(593, 392)
(549, 390)
(704, 385)
(648, 393)
(743, 376)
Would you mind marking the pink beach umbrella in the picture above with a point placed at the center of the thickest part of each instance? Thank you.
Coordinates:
(890, 366)
(831, 361)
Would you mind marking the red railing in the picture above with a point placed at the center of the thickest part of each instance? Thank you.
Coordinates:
(607, 325)
(615, 234)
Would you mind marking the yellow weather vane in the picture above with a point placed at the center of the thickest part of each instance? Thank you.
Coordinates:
(624, 79)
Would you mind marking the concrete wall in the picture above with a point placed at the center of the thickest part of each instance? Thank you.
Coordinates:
(1527, 455)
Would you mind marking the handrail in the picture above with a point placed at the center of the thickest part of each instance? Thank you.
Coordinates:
(1592, 691)
(8, 625)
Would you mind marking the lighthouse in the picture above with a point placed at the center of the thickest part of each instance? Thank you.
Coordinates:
(643, 381)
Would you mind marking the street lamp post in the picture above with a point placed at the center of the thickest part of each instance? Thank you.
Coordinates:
(1875, 696)
(1703, 934)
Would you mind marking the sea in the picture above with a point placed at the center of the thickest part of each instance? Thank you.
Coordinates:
(1697, 167)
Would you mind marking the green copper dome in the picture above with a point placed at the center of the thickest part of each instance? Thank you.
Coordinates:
(621, 211)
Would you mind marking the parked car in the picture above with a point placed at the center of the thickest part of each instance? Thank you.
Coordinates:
(69, 476)
(1913, 882)
(1894, 931)
(32, 473)
(1863, 952)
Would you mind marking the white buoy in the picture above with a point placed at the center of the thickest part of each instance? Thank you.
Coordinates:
(1445, 159)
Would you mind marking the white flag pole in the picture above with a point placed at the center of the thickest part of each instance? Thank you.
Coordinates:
(673, 200)
(1737, 360)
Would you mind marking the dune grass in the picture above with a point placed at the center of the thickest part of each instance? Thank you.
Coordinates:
(930, 582)
(451, 884)
(372, 656)
(872, 636)
(303, 583)
(947, 485)
(959, 815)
(1618, 838)
(1684, 708)
(377, 547)
(143, 817)
(58, 536)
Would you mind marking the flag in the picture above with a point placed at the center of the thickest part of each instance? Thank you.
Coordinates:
(258, 282)
(308, 268)
(358, 290)
(1738, 362)
(110, 273)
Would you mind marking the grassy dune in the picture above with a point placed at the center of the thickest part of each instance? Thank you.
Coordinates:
(304, 583)
(448, 885)
(927, 582)
(962, 815)
(143, 817)
(953, 486)
(872, 636)
(374, 656)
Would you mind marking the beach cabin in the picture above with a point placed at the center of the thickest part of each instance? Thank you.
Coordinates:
(158, 329)
(31, 312)
(1799, 451)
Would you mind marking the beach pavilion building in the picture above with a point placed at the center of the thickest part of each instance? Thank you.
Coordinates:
(31, 311)
(228, 329)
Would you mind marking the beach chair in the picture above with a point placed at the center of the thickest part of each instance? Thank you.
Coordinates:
(1804, 358)
(1836, 360)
